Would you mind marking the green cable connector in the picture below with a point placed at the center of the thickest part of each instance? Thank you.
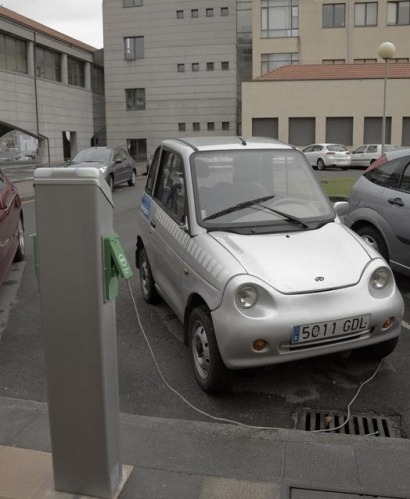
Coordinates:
(115, 265)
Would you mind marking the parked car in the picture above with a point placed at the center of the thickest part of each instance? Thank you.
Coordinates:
(366, 154)
(11, 226)
(321, 156)
(238, 237)
(379, 208)
(114, 163)
(22, 157)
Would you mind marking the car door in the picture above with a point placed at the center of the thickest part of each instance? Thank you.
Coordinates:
(308, 151)
(9, 218)
(396, 211)
(372, 153)
(127, 164)
(358, 156)
(168, 239)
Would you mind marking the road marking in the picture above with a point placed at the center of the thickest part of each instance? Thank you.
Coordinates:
(405, 324)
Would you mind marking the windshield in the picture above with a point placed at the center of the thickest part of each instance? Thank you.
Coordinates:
(336, 148)
(93, 154)
(257, 188)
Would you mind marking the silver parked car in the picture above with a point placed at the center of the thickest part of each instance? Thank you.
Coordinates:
(321, 156)
(114, 163)
(239, 238)
(366, 154)
(379, 208)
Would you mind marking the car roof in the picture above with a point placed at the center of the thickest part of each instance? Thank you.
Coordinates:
(399, 153)
(226, 143)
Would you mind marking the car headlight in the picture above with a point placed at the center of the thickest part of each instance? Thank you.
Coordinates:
(246, 296)
(102, 169)
(380, 278)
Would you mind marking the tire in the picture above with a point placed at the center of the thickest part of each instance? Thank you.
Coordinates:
(110, 182)
(20, 253)
(321, 164)
(378, 351)
(373, 237)
(147, 282)
(133, 178)
(344, 168)
(210, 371)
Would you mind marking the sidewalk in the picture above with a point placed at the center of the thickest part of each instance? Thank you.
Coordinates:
(176, 459)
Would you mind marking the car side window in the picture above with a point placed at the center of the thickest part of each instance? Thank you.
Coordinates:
(117, 155)
(153, 170)
(170, 187)
(308, 149)
(318, 148)
(371, 149)
(359, 150)
(405, 181)
(387, 174)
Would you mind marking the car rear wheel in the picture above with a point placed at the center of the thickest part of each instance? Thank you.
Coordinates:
(320, 164)
(20, 253)
(133, 178)
(379, 351)
(147, 282)
(209, 368)
(373, 237)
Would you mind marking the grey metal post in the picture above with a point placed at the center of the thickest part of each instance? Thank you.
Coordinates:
(384, 108)
(74, 211)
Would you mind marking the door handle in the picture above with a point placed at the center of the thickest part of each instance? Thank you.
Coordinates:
(396, 201)
(153, 224)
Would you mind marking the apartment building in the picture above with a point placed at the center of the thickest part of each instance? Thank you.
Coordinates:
(51, 87)
(174, 68)
(297, 97)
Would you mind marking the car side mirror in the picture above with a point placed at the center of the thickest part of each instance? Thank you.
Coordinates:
(341, 208)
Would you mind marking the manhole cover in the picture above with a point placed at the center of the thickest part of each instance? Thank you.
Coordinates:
(358, 424)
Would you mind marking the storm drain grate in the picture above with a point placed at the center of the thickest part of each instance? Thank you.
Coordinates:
(379, 426)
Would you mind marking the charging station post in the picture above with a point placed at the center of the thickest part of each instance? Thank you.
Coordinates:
(79, 259)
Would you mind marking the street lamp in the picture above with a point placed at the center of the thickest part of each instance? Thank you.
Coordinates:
(386, 51)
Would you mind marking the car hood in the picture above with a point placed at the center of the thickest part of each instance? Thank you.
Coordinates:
(90, 164)
(299, 262)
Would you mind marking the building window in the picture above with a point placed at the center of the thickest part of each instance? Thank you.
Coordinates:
(135, 99)
(180, 14)
(211, 126)
(196, 127)
(181, 68)
(398, 13)
(13, 54)
(194, 13)
(373, 130)
(209, 12)
(76, 72)
(399, 59)
(225, 125)
(133, 3)
(209, 66)
(302, 131)
(224, 11)
(137, 149)
(270, 62)
(334, 15)
(195, 66)
(265, 127)
(333, 61)
(133, 48)
(279, 18)
(48, 64)
(339, 130)
(365, 61)
(181, 127)
(365, 14)
(225, 65)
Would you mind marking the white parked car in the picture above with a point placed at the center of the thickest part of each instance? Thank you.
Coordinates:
(321, 156)
(238, 237)
(366, 154)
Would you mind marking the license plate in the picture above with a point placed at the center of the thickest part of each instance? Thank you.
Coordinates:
(330, 329)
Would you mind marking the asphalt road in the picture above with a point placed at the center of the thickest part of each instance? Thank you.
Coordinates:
(268, 397)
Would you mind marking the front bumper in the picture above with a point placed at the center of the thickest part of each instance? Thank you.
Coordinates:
(276, 315)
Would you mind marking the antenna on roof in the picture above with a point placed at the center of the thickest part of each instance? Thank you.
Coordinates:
(242, 140)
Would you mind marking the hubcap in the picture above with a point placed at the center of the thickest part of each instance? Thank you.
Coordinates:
(200, 350)
(144, 276)
(21, 237)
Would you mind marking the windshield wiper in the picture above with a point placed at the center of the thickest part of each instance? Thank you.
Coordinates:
(239, 206)
(291, 218)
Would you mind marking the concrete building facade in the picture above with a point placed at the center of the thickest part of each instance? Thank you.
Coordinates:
(173, 68)
(297, 97)
(51, 87)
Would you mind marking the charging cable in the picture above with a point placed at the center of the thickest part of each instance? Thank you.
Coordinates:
(225, 420)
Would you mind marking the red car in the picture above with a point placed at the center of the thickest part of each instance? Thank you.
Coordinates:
(11, 226)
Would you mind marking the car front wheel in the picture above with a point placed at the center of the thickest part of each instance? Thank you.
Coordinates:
(209, 368)
(20, 253)
(147, 282)
(320, 164)
(373, 237)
